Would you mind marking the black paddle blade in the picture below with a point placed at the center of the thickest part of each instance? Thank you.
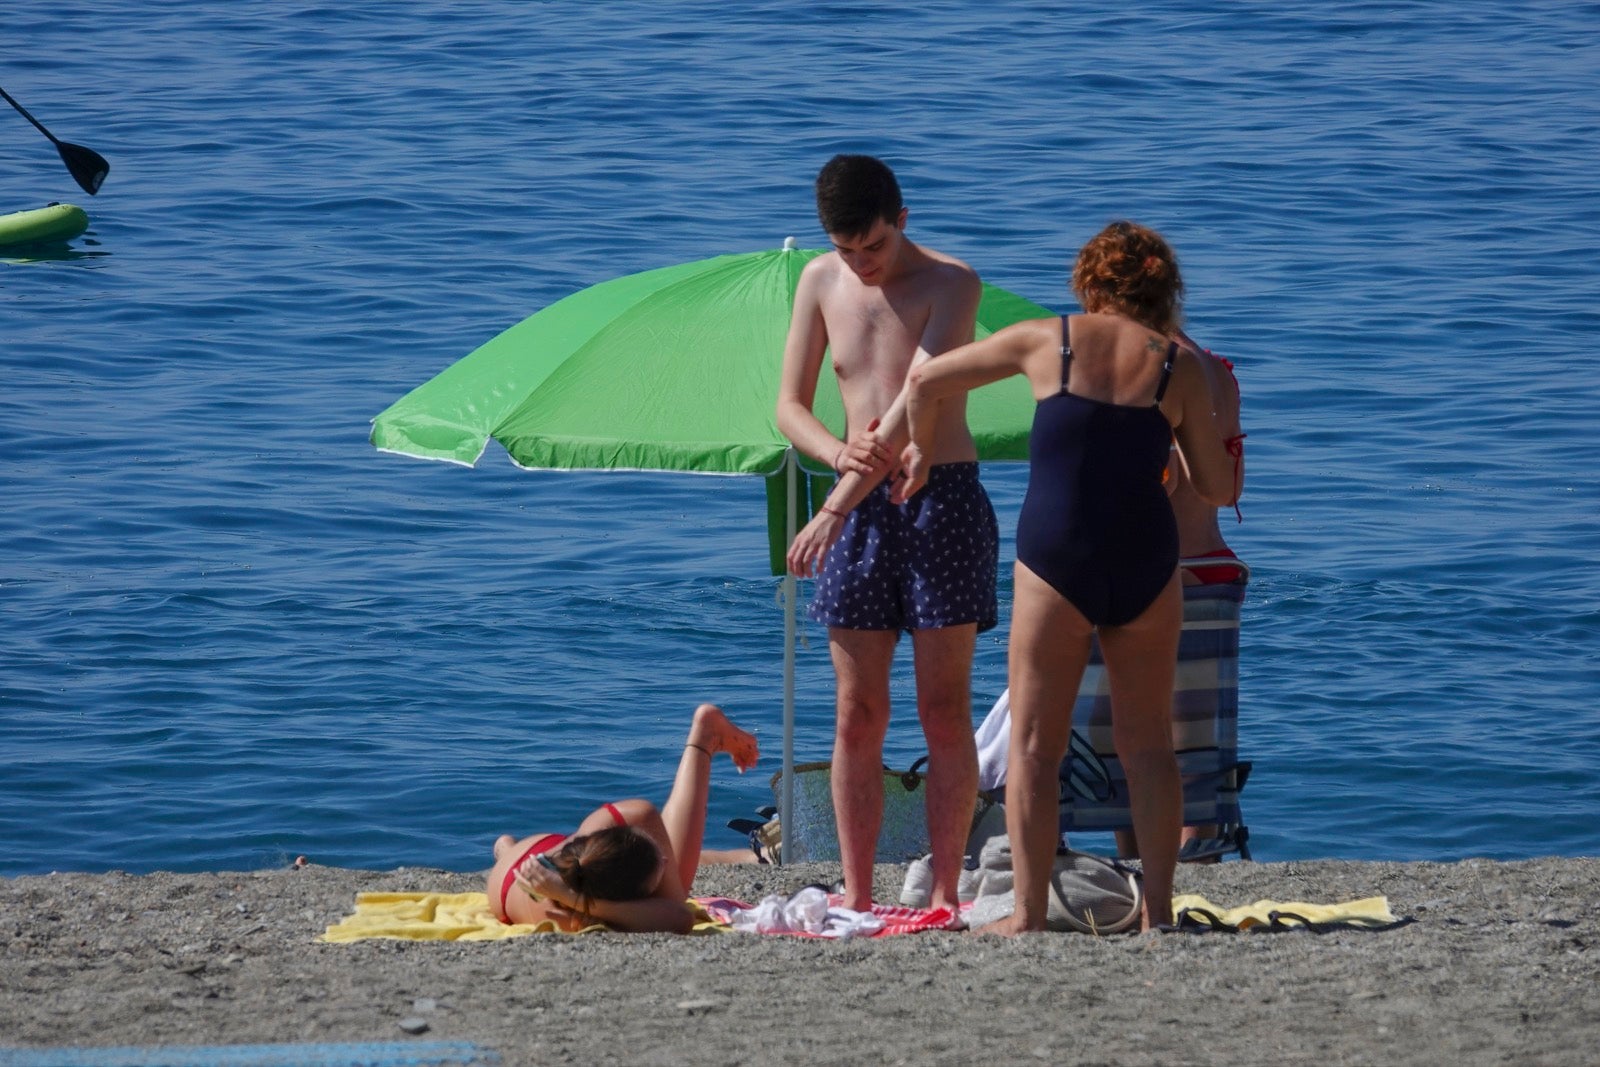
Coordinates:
(88, 167)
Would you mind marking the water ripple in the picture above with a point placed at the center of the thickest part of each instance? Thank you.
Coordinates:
(235, 634)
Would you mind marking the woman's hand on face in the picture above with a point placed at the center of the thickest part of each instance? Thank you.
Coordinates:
(544, 883)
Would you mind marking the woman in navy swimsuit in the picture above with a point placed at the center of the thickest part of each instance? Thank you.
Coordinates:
(1097, 545)
(628, 865)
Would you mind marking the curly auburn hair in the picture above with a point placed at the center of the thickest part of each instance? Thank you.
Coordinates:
(1130, 270)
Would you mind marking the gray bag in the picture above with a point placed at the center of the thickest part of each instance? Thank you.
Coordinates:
(1088, 893)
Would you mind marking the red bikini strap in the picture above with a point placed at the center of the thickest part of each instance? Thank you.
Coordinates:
(1235, 447)
(615, 814)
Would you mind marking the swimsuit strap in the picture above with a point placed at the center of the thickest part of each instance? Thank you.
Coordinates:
(1166, 373)
(1066, 353)
(1235, 447)
(1066, 363)
(615, 814)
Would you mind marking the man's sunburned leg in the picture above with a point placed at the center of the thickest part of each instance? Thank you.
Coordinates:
(944, 704)
(861, 660)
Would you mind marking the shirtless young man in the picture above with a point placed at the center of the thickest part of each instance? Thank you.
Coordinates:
(881, 304)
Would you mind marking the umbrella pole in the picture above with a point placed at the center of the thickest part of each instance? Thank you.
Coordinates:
(791, 464)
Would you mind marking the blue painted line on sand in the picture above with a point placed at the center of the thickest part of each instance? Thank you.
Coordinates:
(392, 1054)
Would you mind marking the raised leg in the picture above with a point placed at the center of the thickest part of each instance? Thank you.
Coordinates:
(684, 813)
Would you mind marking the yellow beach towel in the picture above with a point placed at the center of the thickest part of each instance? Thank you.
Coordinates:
(450, 917)
(1363, 914)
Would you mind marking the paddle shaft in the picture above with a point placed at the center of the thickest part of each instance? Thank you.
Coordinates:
(24, 113)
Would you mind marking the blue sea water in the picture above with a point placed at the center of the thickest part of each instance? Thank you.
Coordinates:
(231, 632)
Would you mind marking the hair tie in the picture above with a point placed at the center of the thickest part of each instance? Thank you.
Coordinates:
(1152, 263)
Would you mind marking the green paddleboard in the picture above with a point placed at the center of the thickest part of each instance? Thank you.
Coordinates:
(58, 222)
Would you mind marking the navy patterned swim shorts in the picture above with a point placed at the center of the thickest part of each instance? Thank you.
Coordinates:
(922, 565)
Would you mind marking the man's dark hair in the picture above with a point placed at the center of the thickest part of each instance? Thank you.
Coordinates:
(853, 192)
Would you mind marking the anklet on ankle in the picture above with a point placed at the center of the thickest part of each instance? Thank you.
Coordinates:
(702, 748)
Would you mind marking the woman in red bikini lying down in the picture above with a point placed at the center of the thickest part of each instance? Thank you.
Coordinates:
(628, 864)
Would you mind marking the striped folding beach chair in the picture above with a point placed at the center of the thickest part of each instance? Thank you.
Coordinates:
(1205, 728)
(1094, 790)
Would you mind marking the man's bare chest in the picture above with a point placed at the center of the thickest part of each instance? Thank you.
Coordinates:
(876, 334)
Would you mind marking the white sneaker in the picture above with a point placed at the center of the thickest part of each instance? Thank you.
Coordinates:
(918, 890)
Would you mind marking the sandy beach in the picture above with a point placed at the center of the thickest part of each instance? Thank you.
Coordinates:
(1497, 965)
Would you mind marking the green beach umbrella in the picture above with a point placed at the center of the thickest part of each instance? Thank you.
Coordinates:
(673, 369)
